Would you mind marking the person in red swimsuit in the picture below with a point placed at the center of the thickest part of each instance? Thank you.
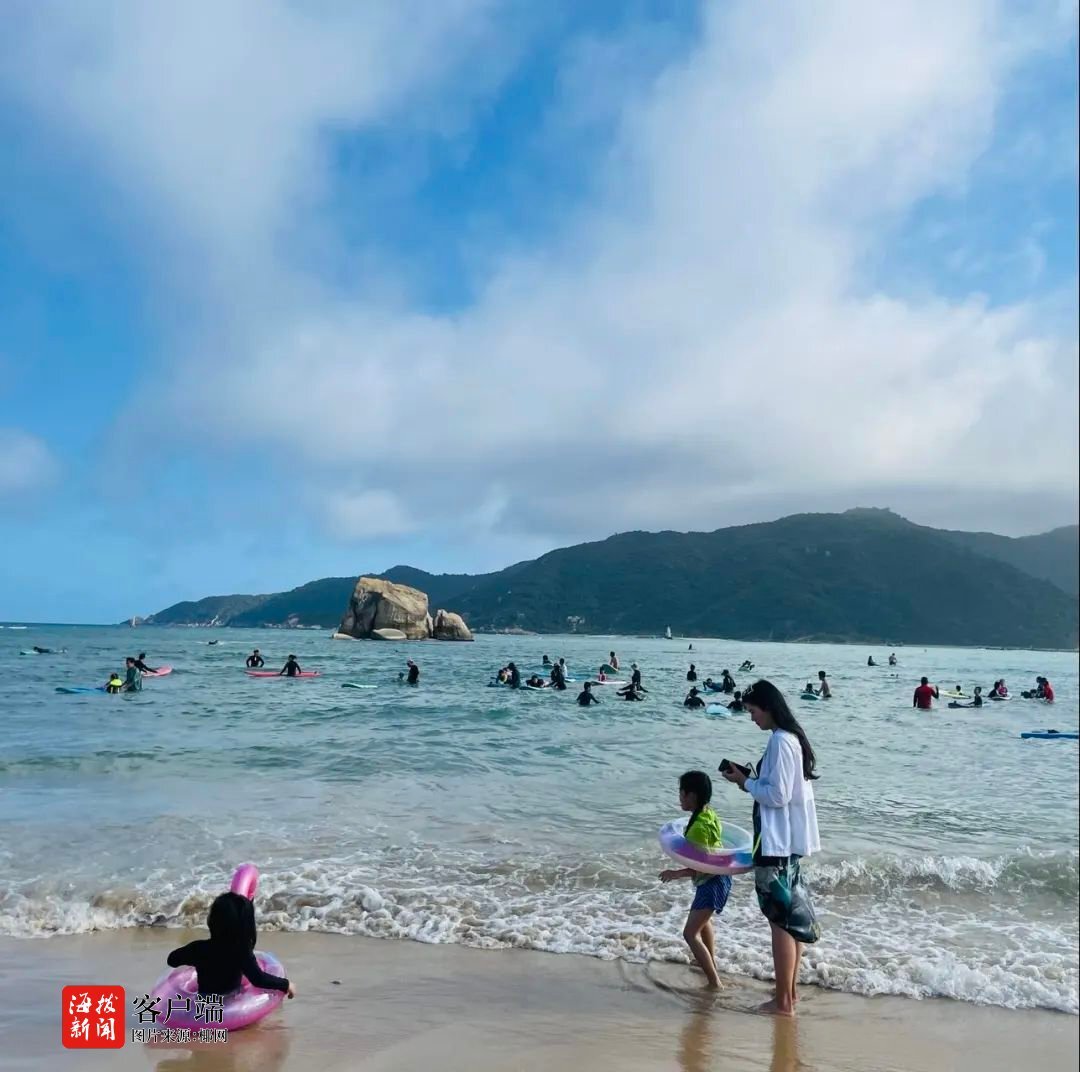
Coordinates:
(925, 695)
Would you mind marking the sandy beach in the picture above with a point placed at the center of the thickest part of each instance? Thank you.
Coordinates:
(379, 1005)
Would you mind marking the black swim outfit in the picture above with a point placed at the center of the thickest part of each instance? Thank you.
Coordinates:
(220, 969)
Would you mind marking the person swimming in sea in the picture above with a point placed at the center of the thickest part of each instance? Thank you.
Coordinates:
(892, 659)
(691, 674)
(635, 685)
(976, 700)
(141, 666)
(613, 660)
(823, 689)
(558, 677)
(255, 661)
(413, 677)
(132, 678)
(737, 702)
(515, 676)
(291, 668)
(537, 682)
(924, 696)
(546, 661)
(114, 685)
(693, 698)
(586, 697)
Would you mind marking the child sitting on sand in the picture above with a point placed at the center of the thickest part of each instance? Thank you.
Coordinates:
(229, 953)
(710, 891)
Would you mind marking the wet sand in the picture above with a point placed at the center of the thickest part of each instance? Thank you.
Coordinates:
(379, 1005)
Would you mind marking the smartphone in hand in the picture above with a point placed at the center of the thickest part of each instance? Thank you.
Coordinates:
(726, 765)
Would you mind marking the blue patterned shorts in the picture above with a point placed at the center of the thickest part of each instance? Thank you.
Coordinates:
(712, 894)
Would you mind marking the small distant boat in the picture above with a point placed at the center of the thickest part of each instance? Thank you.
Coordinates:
(667, 633)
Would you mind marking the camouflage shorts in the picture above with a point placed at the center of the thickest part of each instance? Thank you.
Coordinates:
(785, 900)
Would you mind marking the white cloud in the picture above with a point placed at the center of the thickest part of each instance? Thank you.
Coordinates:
(700, 336)
(369, 515)
(26, 464)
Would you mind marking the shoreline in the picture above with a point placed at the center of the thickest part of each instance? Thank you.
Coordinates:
(375, 1004)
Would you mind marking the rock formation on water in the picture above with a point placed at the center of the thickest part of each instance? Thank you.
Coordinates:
(382, 610)
(450, 626)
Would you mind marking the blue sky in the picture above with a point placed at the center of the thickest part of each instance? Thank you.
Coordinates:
(293, 290)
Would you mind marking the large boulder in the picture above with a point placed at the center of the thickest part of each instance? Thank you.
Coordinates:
(377, 605)
(450, 626)
(388, 634)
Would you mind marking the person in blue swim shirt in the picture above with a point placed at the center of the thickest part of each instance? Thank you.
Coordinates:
(710, 891)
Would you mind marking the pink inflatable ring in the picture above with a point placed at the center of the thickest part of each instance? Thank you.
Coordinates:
(242, 1007)
(734, 857)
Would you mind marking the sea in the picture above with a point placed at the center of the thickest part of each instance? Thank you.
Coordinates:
(457, 813)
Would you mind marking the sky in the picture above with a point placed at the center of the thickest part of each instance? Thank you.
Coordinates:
(300, 289)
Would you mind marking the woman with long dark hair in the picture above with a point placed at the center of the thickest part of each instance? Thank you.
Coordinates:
(785, 830)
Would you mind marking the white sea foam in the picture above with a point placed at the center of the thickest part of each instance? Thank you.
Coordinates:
(878, 944)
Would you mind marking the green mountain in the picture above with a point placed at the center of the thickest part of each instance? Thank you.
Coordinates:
(1054, 556)
(317, 603)
(866, 575)
(213, 610)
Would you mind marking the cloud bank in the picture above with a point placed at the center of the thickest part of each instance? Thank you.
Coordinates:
(699, 341)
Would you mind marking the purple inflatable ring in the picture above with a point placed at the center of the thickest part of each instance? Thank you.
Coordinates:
(734, 857)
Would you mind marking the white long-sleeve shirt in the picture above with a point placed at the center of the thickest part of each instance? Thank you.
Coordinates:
(788, 815)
